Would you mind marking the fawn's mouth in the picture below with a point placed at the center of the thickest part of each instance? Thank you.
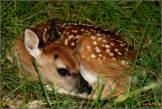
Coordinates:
(64, 91)
(82, 94)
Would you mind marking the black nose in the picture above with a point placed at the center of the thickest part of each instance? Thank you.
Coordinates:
(88, 89)
(83, 85)
(85, 89)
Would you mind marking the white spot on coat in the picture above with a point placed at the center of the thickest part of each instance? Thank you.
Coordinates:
(122, 45)
(111, 54)
(88, 47)
(111, 43)
(107, 46)
(93, 55)
(99, 39)
(66, 42)
(116, 49)
(108, 36)
(71, 36)
(108, 50)
(97, 49)
(113, 58)
(100, 55)
(76, 37)
(96, 26)
(94, 42)
(72, 44)
(119, 53)
(93, 37)
(98, 34)
(103, 40)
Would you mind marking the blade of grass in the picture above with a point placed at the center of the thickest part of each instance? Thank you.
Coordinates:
(99, 90)
(58, 104)
(15, 18)
(40, 77)
(139, 47)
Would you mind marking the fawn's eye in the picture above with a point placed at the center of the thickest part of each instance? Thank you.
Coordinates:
(62, 72)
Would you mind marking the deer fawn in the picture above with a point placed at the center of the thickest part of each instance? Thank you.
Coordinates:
(56, 62)
(64, 49)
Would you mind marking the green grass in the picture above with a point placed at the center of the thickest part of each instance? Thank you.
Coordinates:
(139, 23)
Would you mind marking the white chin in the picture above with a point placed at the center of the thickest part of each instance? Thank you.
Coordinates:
(82, 94)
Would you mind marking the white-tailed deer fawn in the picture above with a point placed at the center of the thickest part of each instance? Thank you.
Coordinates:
(97, 50)
(56, 62)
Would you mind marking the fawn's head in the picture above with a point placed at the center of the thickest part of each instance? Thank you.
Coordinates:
(56, 62)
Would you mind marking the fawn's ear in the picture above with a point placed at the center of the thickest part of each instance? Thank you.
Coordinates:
(54, 35)
(31, 42)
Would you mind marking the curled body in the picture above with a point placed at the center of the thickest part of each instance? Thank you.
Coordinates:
(82, 49)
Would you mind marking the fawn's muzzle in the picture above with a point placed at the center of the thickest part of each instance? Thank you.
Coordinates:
(83, 87)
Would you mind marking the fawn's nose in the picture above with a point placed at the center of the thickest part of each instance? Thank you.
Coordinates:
(88, 89)
(84, 86)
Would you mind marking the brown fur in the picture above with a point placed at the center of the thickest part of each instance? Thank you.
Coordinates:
(113, 70)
